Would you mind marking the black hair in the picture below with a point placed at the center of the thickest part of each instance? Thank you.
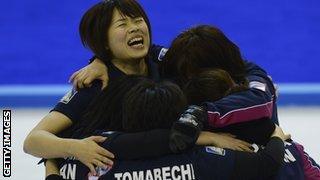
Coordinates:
(151, 105)
(133, 103)
(211, 85)
(105, 110)
(96, 21)
(203, 47)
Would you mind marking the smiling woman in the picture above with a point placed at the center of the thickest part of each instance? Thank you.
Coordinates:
(118, 32)
(130, 42)
(124, 22)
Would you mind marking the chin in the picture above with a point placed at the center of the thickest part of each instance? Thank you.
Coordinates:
(140, 55)
(137, 57)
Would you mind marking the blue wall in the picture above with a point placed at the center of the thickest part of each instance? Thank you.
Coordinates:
(39, 41)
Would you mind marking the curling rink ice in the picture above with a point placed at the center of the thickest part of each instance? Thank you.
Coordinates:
(302, 122)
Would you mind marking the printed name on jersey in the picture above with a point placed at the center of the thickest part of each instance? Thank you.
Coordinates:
(215, 150)
(162, 53)
(67, 97)
(258, 85)
(184, 171)
(68, 171)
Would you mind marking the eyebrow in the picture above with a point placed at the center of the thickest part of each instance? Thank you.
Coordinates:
(120, 20)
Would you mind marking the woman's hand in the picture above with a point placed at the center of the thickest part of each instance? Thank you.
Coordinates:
(90, 153)
(278, 132)
(84, 77)
(222, 140)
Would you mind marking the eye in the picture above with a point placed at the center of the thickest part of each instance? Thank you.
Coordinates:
(121, 24)
(138, 20)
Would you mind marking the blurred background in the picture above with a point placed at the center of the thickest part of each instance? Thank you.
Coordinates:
(40, 48)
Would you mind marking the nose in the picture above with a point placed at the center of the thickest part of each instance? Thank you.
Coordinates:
(134, 29)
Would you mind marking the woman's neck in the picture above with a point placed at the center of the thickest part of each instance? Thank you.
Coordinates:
(131, 67)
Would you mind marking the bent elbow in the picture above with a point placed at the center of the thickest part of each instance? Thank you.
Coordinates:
(27, 144)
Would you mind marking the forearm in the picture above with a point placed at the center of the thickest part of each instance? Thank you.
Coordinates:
(205, 138)
(44, 144)
(42, 140)
(51, 167)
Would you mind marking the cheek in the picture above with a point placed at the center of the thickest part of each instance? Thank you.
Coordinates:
(121, 35)
(145, 31)
(118, 37)
(117, 42)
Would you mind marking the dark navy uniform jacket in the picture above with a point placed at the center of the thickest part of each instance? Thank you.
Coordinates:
(255, 103)
(258, 102)
(74, 103)
(200, 163)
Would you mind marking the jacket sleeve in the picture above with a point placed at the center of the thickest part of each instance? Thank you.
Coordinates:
(262, 165)
(74, 103)
(257, 131)
(139, 145)
(255, 103)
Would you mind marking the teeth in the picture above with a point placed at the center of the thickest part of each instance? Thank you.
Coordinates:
(135, 40)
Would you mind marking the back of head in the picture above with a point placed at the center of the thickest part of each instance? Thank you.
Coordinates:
(151, 105)
(203, 47)
(210, 85)
(96, 21)
(105, 110)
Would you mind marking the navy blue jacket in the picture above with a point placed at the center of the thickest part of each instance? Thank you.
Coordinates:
(200, 163)
(74, 103)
